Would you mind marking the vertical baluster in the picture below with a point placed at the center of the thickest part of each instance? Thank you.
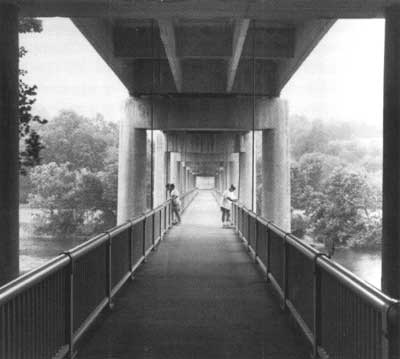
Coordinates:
(18, 325)
(131, 254)
(144, 238)
(69, 306)
(8, 333)
(40, 318)
(256, 234)
(268, 252)
(284, 272)
(109, 271)
(317, 295)
(2, 331)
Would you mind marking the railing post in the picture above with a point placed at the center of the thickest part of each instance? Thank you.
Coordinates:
(144, 239)
(160, 222)
(131, 254)
(69, 300)
(317, 297)
(256, 239)
(391, 332)
(248, 230)
(109, 271)
(268, 256)
(153, 240)
(285, 272)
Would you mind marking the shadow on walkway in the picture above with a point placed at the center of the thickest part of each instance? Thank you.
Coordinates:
(199, 296)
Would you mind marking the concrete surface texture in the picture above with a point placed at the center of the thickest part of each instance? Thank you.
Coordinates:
(198, 296)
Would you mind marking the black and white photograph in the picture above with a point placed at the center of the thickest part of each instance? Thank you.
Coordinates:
(199, 179)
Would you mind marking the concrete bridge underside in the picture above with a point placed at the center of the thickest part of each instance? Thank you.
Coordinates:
(198, 296)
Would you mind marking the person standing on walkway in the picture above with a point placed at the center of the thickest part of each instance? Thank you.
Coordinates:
(226, 204)
(176, 204)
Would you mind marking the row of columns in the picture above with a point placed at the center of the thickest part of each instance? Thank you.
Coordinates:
(167, 167)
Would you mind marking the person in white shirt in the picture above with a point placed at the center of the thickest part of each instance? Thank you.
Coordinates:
(176, 204)
(226, 204)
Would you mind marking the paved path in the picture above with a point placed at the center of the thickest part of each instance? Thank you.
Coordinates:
(198, 297)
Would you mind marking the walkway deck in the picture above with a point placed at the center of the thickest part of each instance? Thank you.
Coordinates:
(198, 297)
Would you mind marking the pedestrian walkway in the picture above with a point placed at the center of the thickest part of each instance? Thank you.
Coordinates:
(199, 296)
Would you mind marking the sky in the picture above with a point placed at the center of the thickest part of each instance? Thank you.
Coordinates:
(342, 80)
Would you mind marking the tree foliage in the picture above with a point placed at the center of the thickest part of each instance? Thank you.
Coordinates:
(334, 196)
(76, 187)
(83, 142)
(73, 201)
(30, 142)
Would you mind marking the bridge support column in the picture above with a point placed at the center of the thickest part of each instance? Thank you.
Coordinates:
(234, 171)
(174, 168)
(9, 144)
(391, 157)
(159, 168)
(132, 163)
(276, 170)
(181, 187)
(187, 179)
(245, 172)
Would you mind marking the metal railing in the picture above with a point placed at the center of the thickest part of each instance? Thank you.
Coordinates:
(342, 316)
(45, 312)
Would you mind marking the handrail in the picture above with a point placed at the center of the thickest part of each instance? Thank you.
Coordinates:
(317, 290)
(64, 296)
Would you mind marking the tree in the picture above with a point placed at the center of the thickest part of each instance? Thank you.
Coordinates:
(81, 159)
(345, 210)
(73, 201)
(82, 142)
(308, 177)
(30, 142)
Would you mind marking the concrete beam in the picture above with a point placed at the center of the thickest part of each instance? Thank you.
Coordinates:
(267, 10)
(229, 113)
(167, 34)
(134, 40)
(239, 36)
(202, 77)
(139, 41)
(99, 33)
(269, 42)
(307, 37)
(206, 41)
(207, 157)
(197, 142)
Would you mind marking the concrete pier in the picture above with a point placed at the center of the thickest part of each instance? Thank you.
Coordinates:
(132, 164)
(276, 170)
(9, 143)
(245, 171)
(391, 157)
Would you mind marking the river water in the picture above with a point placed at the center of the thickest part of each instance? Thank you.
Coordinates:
(365, 264)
